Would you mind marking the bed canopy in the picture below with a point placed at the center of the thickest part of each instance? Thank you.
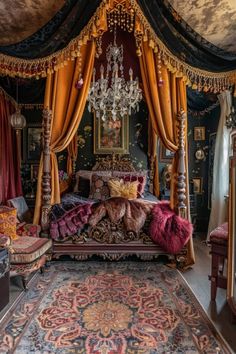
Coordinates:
(168, 63)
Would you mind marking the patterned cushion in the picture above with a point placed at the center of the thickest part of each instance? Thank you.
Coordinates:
(24, 229)
(87, 174)
(141, 177)
(120, 188)
(99, 187)
(8, 221)
(28, 249)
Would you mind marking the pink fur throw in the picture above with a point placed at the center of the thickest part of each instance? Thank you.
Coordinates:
(167, 229)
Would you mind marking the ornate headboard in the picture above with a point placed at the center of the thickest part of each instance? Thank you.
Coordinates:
(114, 163)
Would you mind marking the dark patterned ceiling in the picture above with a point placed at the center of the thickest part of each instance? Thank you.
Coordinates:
(214, 20)
(21, 18)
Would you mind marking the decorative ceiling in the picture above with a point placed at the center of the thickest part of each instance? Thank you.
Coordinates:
(25, 17)
(214, 20)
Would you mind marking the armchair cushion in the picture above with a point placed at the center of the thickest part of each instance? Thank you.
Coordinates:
(28, 249)
(24, 229)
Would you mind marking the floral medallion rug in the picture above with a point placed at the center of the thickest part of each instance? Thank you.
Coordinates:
(109, 308)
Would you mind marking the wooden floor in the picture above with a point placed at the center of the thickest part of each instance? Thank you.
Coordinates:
(197, 279)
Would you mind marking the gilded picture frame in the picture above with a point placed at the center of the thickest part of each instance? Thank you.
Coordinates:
(165, 155)
(197, 185)
(111, 136)
(199, 133)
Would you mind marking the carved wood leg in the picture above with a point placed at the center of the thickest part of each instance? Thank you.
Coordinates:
(214, 275)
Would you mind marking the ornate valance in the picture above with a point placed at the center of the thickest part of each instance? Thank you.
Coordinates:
(128, 15)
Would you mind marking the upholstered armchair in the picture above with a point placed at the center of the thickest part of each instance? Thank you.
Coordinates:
(28, 252)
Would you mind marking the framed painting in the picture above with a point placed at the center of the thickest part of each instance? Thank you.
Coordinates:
(32, 142)
(111, 136)
(34, 170)
(199, 133)
(165, 155)
(197, 185)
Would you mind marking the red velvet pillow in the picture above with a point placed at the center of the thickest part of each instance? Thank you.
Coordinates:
(168, 230)
(133, 177)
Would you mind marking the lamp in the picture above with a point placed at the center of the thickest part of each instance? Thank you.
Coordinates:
(18, 122)
(112, 96)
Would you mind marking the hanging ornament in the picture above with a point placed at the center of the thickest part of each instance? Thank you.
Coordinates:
(79, 83)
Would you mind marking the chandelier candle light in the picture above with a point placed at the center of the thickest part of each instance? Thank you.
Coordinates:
(112, 96)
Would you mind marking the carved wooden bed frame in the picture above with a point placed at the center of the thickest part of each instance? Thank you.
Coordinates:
(107, 239)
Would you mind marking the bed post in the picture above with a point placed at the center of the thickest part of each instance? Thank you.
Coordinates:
(46, 183)
(181, 185)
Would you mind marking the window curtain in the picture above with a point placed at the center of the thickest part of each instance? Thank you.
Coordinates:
(67, 104)
(164, 103)
(10, 179)
(220, 186)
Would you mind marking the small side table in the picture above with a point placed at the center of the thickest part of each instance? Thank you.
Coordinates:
(4, 278)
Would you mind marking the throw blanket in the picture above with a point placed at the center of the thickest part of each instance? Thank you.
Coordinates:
(133, 212)
(169, 230)
(68, 219)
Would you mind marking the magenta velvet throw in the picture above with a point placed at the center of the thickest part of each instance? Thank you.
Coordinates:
(168, 230)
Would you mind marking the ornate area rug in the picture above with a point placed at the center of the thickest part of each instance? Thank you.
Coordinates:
(109, 308)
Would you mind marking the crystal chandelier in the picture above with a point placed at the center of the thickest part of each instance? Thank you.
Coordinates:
(111, 96)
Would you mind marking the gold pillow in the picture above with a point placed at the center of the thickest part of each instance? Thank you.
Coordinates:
(119, 188)
(8, 222)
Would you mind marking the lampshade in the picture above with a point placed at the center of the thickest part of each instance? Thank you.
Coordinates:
(17, 120)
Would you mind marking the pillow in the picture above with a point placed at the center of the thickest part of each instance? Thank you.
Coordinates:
(120, 188)
(99, 187)
(23, 212)
(87, 174)
(8, 222)
(141, 177)
(83, 187)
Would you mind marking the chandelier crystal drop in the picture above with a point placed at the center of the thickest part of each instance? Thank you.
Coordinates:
(111, 96)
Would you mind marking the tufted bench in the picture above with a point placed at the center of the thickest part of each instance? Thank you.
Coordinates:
(219, 251)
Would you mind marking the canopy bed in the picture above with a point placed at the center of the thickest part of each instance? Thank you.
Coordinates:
(109, 238)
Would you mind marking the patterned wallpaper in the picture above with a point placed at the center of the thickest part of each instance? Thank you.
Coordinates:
(214, 20)
(138, 126)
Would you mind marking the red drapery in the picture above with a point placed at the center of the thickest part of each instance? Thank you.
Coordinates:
(10, 180)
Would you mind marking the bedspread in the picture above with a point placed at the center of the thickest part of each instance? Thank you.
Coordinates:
(134, 212)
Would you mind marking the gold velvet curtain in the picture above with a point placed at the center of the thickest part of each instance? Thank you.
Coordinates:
(164, 103)
(67, 104)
